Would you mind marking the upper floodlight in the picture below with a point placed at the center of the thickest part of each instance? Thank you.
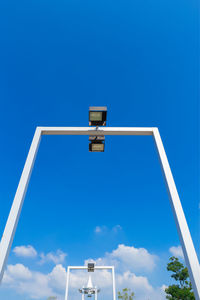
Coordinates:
(97, 115)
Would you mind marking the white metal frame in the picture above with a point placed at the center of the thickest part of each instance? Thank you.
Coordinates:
(95, 268)
(180, 220)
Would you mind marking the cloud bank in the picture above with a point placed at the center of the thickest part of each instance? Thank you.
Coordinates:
(130, 262)
(129, 258)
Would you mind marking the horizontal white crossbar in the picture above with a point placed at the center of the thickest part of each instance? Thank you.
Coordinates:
(95, 267)
(96, 130)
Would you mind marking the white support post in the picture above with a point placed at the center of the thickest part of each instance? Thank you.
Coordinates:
(67, 284)
(181, 223)
(13, 218)
(113, 280)
(95, 295)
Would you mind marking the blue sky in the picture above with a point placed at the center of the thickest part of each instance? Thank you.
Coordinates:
(140, 58)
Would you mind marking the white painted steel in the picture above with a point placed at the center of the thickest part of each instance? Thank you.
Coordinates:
(95, 296)
(86, 268)
(67, 283)
(182, 227)
(181, 223)
(94, 131)
(113, 280)
(11, 225)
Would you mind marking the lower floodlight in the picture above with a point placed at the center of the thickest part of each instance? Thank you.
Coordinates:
(97, 143)
(96, 146)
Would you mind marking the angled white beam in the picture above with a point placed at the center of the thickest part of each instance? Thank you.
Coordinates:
(179, 216)
(182, 227)
(11, 225)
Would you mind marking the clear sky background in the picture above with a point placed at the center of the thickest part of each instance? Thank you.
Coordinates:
(140, 58)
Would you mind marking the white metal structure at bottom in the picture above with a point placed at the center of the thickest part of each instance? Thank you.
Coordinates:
(90, 290)
(95, 268)
(180, 220)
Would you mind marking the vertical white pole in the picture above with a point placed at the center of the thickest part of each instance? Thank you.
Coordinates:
(83, 297)
(95, 295)
(11, 225)
(113, 280)
(67, 284)
(181, 223)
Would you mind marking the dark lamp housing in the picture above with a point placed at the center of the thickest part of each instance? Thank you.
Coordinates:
(90, 267)
(96, 146)
(97, 115)
(97, 143)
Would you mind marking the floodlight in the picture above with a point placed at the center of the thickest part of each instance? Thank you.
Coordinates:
(96, 147)
(90, 267)
(97, 115)
(97, 143)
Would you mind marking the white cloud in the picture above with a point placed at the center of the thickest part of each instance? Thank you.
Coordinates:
(29, 251)
(104, 229)
(98, 229)
(25, 251)
(35, 285)
(134, 258)
(176, 251)
(116, 228)
(17, 271)
(57, 257)
(57, 278)
(129, 258)
(126, 259)
(140, 286)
